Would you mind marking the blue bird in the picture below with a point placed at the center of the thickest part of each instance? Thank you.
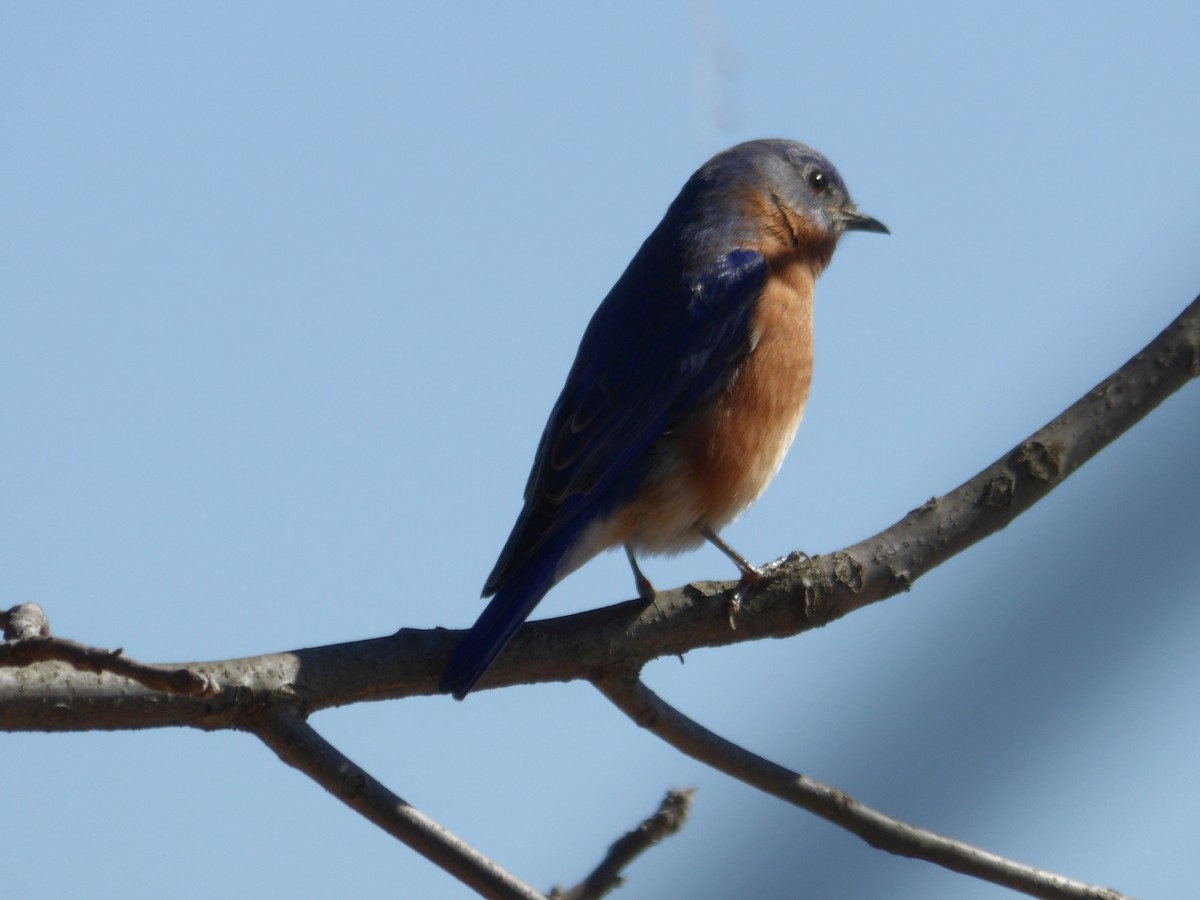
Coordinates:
(687, 389)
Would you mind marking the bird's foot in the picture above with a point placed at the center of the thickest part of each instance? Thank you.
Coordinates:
(751, 575)
(778, 565)
(644, 588)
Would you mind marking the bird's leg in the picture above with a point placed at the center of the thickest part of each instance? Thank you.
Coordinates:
(751, 574)
(644, 588)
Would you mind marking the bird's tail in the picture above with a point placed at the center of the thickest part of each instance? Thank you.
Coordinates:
(513, 603)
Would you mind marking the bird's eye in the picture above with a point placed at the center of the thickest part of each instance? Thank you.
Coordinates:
(818, 181)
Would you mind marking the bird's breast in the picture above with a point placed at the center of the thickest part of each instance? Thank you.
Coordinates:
(735, 449)
(715, 462)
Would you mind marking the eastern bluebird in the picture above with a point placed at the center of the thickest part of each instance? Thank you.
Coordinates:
(687, 389)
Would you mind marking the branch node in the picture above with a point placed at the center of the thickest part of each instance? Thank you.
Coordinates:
(1039, 460)
(1000, 491)
(24, 621)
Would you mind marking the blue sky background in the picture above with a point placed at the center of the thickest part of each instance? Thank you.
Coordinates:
(287, 291)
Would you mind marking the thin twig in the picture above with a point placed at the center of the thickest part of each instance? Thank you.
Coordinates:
(649, 711)
(666, 821)
(299, 745)
(32, 643)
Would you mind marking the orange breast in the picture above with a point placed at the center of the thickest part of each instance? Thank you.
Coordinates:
(735, 450)
(720, 460)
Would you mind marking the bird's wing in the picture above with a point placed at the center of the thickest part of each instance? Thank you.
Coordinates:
(656, 346)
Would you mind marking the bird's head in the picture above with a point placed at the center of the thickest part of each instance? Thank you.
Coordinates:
(789, 188)
(805, 183)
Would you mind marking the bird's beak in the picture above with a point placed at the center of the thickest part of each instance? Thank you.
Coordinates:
(853, 220)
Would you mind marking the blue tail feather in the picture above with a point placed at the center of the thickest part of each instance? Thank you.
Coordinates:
(513, 603)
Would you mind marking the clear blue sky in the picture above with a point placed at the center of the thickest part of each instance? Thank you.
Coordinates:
(287, 291)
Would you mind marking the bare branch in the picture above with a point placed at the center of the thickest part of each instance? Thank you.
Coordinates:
(30, 642)
(50, 684)
(649, 711)
(299, 745)
(666, 821)
(800, 594)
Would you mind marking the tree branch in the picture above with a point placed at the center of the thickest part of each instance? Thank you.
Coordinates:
(667, 820)
(29, 641)
(299, 745)
(649, 711)
(620, 639)
(50, 684)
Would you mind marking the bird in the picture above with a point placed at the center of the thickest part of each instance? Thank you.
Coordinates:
(687, 389)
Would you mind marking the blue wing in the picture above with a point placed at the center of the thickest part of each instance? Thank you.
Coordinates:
(662, 341)
(647, 357)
